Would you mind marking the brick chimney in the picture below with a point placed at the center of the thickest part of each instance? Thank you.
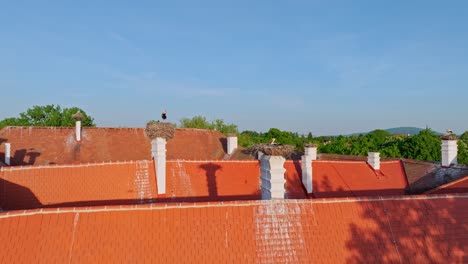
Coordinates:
(310, 154)
(272, 177)
(231, 143)
(449, 150)
(7, 153)
(158, 152)
(373, 159)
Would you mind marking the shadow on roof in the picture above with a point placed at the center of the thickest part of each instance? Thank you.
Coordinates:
(412, 231)
(14, 196)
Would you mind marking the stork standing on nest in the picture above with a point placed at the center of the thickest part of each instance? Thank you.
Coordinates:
(164, 115)
(449, 131)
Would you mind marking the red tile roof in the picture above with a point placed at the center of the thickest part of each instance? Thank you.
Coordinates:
(56, 145)
(212, 180)
(458, 186)
(341, 179)
(186, 181)
(94, 184)
(423, 229)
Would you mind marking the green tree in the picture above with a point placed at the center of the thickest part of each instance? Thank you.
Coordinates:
(463, 148)
(424, 146)
(195, 122)
(48, 115)
(202, 123)
(224, 128)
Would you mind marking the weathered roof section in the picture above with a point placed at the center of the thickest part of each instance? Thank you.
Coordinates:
(241, 153)
(458, 186)
(79, 185)
(53, 145)
(433, 230)
(196, 144)
(423, 175)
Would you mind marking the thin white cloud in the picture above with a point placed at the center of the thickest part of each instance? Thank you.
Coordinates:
(125, 41)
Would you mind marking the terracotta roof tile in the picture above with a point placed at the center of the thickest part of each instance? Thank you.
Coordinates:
(55, 145)
(59, 186)
(134, 182)
(288, 231)
(339, 179)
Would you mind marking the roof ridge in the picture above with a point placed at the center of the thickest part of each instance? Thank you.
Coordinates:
(163, 206)
(54, 166)
(69, 127)
(213, 161)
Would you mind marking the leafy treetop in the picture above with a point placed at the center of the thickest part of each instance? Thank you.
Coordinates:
(48, 115)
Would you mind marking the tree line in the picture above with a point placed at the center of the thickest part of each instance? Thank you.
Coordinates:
(424, 146)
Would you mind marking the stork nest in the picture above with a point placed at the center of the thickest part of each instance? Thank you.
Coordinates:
(449, 137)
(78, 116)
(273, 149)
(160, 129)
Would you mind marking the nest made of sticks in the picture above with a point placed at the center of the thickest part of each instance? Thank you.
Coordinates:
(449, 137)
(78, 116)
(273, 149)
(155, 129)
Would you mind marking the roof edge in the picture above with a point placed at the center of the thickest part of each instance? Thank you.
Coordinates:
(446, 185)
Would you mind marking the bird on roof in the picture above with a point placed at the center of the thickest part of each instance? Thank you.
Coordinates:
(449, 131)
(272, 141)
(164, 114)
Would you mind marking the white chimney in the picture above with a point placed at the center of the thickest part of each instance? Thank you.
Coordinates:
(373, 158)
(231, 144)
(272, 177)
(307, 173)
(310, 154)
(311, 151)
(259, 155)
(7, 153)
(449, 152)
(78, 130)
(158, 152)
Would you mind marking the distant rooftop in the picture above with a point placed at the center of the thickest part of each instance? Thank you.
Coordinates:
(57, 145)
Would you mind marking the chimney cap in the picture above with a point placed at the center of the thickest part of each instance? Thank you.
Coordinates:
(231, 135)
(310, 145)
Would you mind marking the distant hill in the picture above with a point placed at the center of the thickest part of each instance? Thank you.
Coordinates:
(404, 130)
(400, 130)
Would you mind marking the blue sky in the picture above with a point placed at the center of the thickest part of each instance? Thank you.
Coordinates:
(328, 67)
